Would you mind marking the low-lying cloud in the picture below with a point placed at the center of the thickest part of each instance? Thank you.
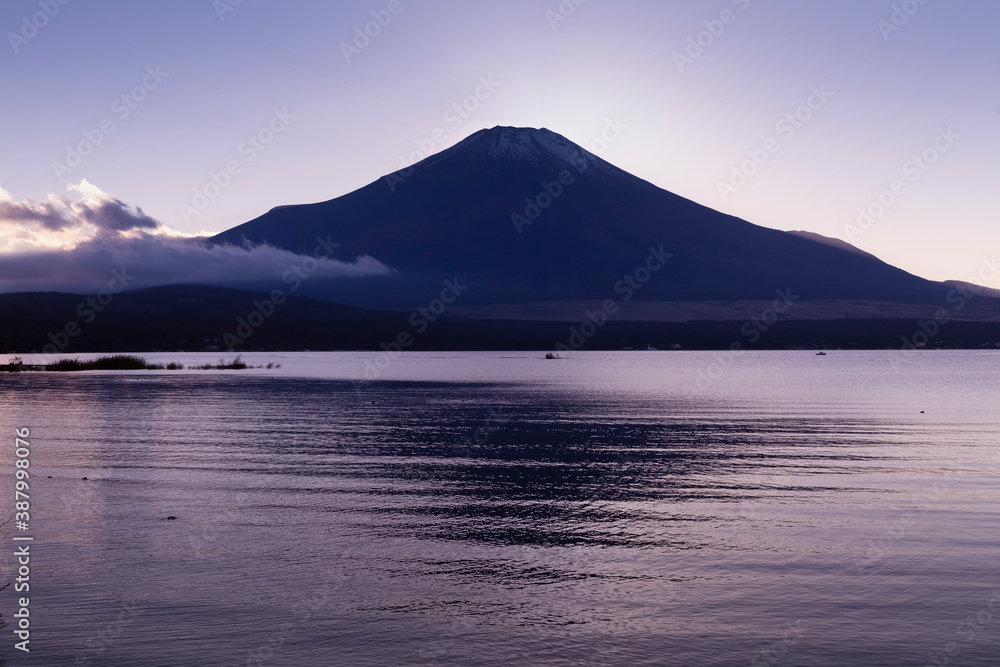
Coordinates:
(73, 245)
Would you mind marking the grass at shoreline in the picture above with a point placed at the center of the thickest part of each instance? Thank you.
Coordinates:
(125, 362)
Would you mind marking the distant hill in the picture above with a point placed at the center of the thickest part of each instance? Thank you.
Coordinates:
(193, 317)
(188, 317)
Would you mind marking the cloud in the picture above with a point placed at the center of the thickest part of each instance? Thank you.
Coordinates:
(107, 213)
(95, 208)
(45, 214)
(73, 245)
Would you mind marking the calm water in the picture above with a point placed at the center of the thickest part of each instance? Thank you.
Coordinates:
(631, 508)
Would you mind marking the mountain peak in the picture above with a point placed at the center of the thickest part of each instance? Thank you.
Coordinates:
(505, 142)
(505, 148)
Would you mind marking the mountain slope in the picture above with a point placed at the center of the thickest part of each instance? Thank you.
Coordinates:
(524, 215)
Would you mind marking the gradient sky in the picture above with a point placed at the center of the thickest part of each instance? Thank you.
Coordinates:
(688, 126)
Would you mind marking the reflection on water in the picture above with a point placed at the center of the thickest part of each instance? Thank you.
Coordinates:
(595, 512)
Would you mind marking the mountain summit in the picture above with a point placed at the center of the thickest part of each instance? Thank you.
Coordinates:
(512, 144)
(504, 148)
(525, 215)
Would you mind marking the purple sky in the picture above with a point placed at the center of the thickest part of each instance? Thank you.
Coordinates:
(198, 81)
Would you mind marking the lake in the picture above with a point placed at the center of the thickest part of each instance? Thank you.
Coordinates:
(607, 508)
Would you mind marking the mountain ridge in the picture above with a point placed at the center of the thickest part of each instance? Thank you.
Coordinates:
(463, 212)
(207, 318)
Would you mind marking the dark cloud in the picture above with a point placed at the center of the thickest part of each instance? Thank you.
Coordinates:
(46, 214)
(115, 215)
(129, 239)
(105, 212)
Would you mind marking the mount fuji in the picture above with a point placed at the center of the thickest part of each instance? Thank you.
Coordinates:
(524, 217)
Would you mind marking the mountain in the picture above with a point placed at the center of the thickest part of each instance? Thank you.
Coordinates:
(525, 216)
